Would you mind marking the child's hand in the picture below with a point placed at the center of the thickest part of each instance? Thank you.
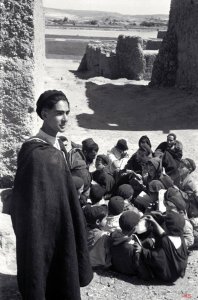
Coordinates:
(137, 247)
(156, 213)
(150, 218)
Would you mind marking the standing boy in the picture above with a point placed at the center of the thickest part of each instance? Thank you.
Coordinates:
(51, 245)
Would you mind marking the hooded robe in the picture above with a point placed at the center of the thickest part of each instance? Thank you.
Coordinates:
(51, 243)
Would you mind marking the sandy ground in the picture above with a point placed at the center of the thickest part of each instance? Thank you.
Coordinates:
(107, 110)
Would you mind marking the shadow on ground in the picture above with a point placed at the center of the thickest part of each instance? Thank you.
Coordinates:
(9, 287)
(139, 108)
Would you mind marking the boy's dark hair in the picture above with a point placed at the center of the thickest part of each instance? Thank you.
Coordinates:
(125, 191)
(146, 139)
(172, 134)
(48, 99)
(116, 205)
(94, 213)
(96, 193)
(105, 159)
(122, 145)
(128, 220)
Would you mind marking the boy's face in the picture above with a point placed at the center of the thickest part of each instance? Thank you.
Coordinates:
(90, 155)
(183, 170)
(99, 163)
(170, 141)
(80, 190)
(102, 223)
(151, 170)
(55, 119)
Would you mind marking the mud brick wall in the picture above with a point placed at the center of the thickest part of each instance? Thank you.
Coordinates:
(177, 62)
(22, 77)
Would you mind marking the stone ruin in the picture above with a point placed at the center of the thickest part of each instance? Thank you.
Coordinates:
(177, 61)
(129, 57)
(22, 56)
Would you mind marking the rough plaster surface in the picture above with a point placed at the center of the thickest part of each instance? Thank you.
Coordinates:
(22, 68)
(177, 62)
(130, 57)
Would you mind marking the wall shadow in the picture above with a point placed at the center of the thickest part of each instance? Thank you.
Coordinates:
(139, 108)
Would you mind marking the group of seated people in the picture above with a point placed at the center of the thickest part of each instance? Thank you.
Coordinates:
(141, 212)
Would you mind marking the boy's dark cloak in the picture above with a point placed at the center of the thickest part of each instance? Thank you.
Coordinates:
(52, 254)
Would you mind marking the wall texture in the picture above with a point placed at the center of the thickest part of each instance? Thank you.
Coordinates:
(177, 61)
(21, 73)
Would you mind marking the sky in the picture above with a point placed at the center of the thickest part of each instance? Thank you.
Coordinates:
(130, 7)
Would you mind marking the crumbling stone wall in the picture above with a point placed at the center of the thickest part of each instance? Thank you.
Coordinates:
(177, 62)
(100, 60)
(130, 57)
(22, 70)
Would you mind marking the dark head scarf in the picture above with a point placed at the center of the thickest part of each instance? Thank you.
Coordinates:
(48, 99)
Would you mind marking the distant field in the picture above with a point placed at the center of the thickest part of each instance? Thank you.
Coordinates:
(68, 49)
(71, 43)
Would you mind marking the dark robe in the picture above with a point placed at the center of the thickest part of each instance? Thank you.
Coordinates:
(51, 242)
(105, 179)
(79, 167)
(171, 158)
(123, 255)
(165, 263)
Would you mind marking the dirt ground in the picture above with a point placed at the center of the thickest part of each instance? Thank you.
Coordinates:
(107, 110)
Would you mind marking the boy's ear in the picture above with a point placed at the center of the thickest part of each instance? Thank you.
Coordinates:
(97, 222)
(43, 114)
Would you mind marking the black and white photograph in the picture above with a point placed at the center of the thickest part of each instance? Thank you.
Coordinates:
(98, 149)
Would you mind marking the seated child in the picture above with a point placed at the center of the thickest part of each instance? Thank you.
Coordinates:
(168, 260)
(98, 239)
(174, 201)
(115, 209)
(123, 255)
(79, 184)
(126, 192)
(96, 194)
(102, 175)
(188, 186)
